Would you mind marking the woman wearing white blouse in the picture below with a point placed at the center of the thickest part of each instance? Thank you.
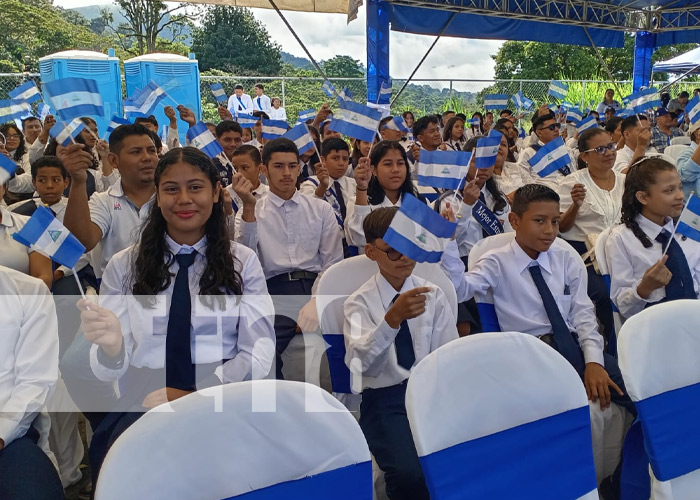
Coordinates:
(277, 112)
(591, 200)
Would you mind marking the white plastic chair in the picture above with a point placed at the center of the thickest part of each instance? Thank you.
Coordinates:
(253, 440)
(601, 258)
(501, 415)
(683, 140)
(674, 151)
(658, 353)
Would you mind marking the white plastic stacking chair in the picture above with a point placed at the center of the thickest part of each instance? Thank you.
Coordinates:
(682, 140)
(658, 351)
(255, 440)
(501, 415)
(603, 262)
(675, 150)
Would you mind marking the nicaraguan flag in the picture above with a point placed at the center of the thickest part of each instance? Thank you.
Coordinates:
(115, 122)
(300, 136)
(11, 110)
(522, 133)
(641, 101)
(201, 138)
(692, 109)
(246, 121)
(27, 92)
(328, 88)
(419, 232)
(584, 125)
(43, 110)
(218, 90)
(474, 122)
(624, 113)
(307, 114)
(689, 221)
(65, 132)
(75, 97)
(551, 157)
(385, 92)
(144, 102)
(564, 106)
(522, 102)
(357, 121)
(345, 95)
(553, 108)
(442, 169)
(272, 129)
(45, 233)
(574, 114)
(495, 101)
(558, 89)
(487, 150)
(7, 169)
(398, 124)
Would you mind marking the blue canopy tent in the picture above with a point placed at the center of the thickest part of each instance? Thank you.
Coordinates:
(576, 22)
(684, 63)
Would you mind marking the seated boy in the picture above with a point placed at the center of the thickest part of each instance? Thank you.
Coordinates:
(247, 161)
(391, 322)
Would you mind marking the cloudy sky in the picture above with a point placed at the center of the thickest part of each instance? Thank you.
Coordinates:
(451, 57)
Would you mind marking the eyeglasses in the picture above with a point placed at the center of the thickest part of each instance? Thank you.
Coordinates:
(601, 150)
(552, 127)
(13, 136)
(391, 254)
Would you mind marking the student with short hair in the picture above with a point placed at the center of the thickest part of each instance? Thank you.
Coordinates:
(392, 321)
(247, 162)
(426, 131)
(637, 135)
(229, 135)
(240, 102)
(261, 103)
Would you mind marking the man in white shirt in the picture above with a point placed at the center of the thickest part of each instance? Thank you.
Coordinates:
(637, 135)
(28, 375)
(240, 102)
(31, 128)
(261, 103)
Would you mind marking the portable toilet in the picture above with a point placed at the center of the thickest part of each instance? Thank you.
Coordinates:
(103, 68)
(177, 75)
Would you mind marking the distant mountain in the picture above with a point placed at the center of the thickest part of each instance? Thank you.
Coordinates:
(297, 62)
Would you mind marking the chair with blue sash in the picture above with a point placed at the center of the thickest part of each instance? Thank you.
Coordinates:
(603, 262)
(501, 415)
(658, 352)
(255, 440)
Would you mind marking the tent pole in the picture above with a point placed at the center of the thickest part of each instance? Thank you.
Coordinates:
(678, 79)
(423, 59)
(602, 62)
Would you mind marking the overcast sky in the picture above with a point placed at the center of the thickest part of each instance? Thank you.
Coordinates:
(327, 35)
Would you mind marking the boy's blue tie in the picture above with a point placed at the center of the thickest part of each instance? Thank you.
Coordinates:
(405, 355)
(339, 197)
(179, 370)
(565, 343)
(681, 285)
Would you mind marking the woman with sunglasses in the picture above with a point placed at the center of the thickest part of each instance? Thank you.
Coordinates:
(591, 201)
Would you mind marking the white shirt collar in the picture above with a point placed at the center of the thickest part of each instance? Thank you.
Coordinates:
(651, 229)
(279, 201)
(523, 260)
(388, 292)
(6, 217)
(176, 248)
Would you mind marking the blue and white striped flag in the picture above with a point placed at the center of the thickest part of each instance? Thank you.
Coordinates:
(643, 100)
(397, 123)
(574, 114)
(272, 129)
(246, 121)
(624, 113)
(357, 121)
(115, 122)
(495, 101)
(300, 136)
(307, 114)
(328, 88)
(565, 106)
(689, 221)
(385, 92)
(554, 108)
(43, 110)
(75, 97)
(27, 92)
(419, 232)
(551, 157)
(219, 93)
(201, 138)
(474, 122)
(487, 150)
(558, 89)
(522, 102)
(345, 95)
(584, 125)
(522, 133)
(144, 102)
(7, 169)
(692, 109)
(442, 169)
(11, 110)
(45, 233)
(66, 132)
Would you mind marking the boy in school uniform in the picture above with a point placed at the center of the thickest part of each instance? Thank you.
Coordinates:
(240, 102)
(295, 236)
(392, 322)
(247, 162)
(261, 102)
(331, 184)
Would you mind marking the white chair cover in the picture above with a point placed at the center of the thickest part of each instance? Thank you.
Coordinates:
(658, 355)
(501, 415)
(684, 139)
(256, 440)
(603, 262)
(675, 150)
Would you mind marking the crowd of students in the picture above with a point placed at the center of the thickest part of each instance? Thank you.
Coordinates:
(170, 232)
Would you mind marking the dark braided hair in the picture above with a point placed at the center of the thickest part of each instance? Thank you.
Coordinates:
(151, 273)
(640, 176)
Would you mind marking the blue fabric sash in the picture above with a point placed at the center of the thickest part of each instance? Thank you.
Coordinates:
(671, 433)
(340, 374)
(353, 482)
(550, 458)
(486, 218)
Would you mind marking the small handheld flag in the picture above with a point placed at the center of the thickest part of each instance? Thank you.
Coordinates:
(75, 97)
(66, 132)
(11, 110)
(27, 92)
(115, 122)
(442, 169)
(43, 111)
(643, 100)
(144, 102)
(307, 114)
(201, 138)
(487, 150)
(7, 169)
(474, 122)
(692, 109)
(689, 221)
(398, 124)
(272, 129)
(246, 121)
(419, 232)
(551, 157)
(584, 125)
(624, 113)
(384, 93)
(574, 115)
(300, 136)
(328, 88)
(564, 106)
(558, 89)
(345, 95)
(219, 93)
(521, 101)
(357, 121)
(45, 233)
(495, 101)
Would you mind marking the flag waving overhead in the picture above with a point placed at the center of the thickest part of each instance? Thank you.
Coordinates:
(246, 121)
(7, 169)
(643, 100)
(692, 109)
(27, 92)
(300, 136)
(74, 97)
(419, 232)
(45, 233)
(115, 122)
(66, 132)
(357, 121)
(144, 102)
(201, 138)
(328, 88)
(272, 129)
(574, 114)
(495, 101)
(558, 89)
(12, 110)
(307, 114)
(551, 157)
(689, 221)
(398, 124)
(442, 169)
(385, 93)
(487, 149)
(584, 125)
(219, 93)
(345, 95)
(522, 102)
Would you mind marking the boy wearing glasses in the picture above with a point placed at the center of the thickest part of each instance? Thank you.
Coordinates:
(391, 322)
(546, 129)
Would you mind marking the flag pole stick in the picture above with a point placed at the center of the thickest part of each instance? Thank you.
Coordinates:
(675, 226)
(315, 146)
(80, 285)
